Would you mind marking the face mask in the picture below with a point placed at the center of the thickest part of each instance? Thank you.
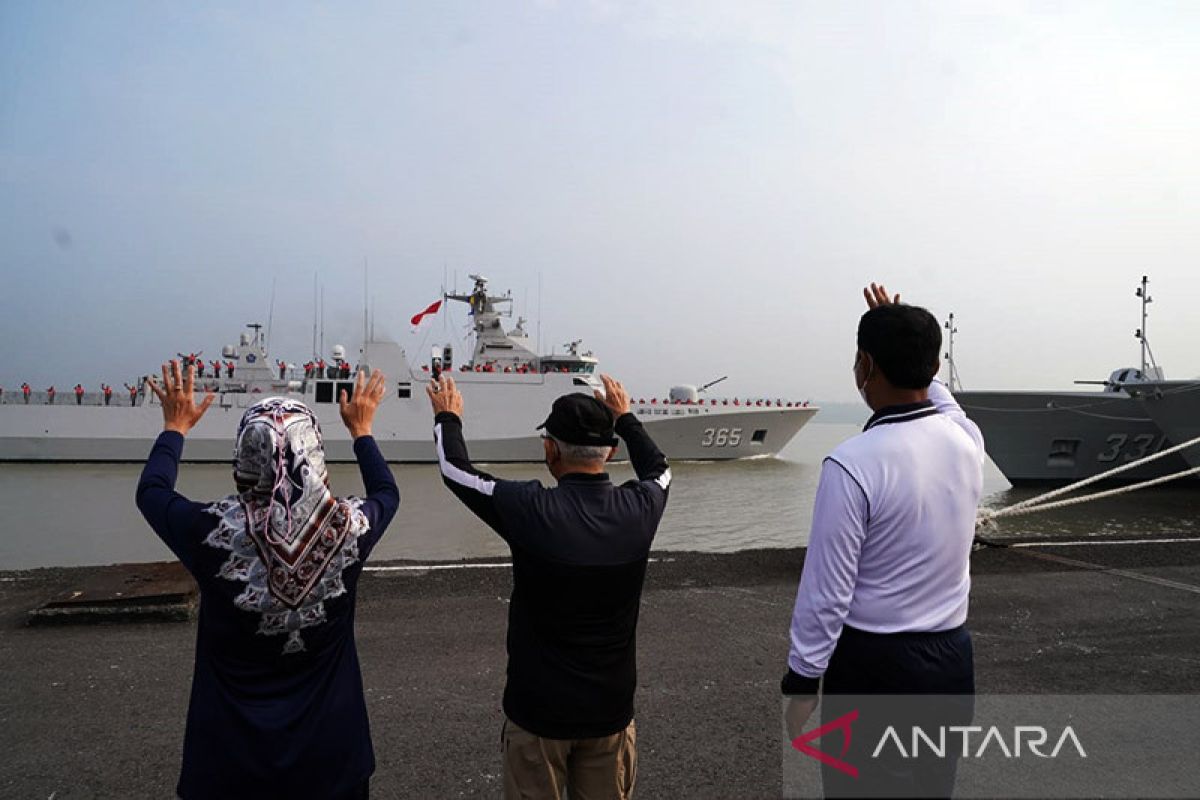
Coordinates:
(862, 390)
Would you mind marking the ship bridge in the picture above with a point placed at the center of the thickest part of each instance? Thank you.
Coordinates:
(499, 350)
(571, 361)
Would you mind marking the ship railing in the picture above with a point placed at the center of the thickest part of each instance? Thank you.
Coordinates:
(714, 402)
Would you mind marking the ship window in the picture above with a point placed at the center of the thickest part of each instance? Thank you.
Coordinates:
(1062, 453)
(346, 387)
(759, 436)
(405, 390)
(324, 392)
(580, 382)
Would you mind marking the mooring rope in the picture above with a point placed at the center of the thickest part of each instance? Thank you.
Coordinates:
(986, 518)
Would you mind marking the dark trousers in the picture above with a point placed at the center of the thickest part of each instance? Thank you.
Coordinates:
(360, 792)
(899, 680)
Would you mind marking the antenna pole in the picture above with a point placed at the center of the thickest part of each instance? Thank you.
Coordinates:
(271, 313)
(951, 369)
(1145, 301)
(539, 325)
(366, 294)
(316, 313)
(1143, 292)
(322, 350)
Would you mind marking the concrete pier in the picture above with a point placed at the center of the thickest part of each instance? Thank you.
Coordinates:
(97, 711)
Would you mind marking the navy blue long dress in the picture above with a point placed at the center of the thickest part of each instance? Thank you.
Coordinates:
(277, 708)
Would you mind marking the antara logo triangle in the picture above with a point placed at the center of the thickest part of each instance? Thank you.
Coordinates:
(842, 724)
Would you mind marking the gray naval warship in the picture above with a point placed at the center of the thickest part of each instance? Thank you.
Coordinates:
(1038, 437)
(1174, 406)
(506, 385)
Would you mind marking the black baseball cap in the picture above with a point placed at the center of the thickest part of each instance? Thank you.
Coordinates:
(581, 419)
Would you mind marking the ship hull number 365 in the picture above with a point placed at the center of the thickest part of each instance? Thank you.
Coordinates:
(721, 437)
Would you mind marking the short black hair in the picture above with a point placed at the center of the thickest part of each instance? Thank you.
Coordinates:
(905, 342)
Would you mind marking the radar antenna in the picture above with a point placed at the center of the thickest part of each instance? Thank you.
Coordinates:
(257, 328)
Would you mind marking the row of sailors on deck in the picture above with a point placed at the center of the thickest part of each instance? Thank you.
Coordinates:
(106, 392)
(340, 368)
(317, 368)
(194, 360)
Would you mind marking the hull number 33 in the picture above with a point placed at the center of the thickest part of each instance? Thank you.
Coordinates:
(1130, 448)
(721, 437)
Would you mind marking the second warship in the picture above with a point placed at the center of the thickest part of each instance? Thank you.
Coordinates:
(1040, 437)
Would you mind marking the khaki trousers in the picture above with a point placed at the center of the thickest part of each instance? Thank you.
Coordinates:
(536, 768)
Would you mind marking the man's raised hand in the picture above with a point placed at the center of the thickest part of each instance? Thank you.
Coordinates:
(178, 398)
(444, 396)
(877, 295)
(614, 396)
(358, 411)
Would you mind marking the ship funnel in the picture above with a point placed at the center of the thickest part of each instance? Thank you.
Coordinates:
(684, 394)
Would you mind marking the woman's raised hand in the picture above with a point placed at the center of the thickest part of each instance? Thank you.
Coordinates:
(178, 397)
(358, 411)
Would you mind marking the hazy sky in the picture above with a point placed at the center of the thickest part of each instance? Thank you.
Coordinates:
(702, 186)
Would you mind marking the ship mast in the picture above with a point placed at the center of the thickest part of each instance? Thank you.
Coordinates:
(493, 345)
(951, 369)
(1143, 292)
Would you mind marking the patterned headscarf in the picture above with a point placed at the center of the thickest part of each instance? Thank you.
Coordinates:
(291, 539)
(279, 463)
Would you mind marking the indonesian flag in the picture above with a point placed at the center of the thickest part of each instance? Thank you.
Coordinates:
(431, 310)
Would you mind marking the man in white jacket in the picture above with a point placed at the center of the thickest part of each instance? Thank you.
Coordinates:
(882, 603)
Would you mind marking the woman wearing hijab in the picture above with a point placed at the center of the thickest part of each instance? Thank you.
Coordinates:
(277, 707)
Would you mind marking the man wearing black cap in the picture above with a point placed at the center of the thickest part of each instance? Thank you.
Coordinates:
(579, 557)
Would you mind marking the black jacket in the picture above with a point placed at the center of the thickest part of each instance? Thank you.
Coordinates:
(579, 557)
